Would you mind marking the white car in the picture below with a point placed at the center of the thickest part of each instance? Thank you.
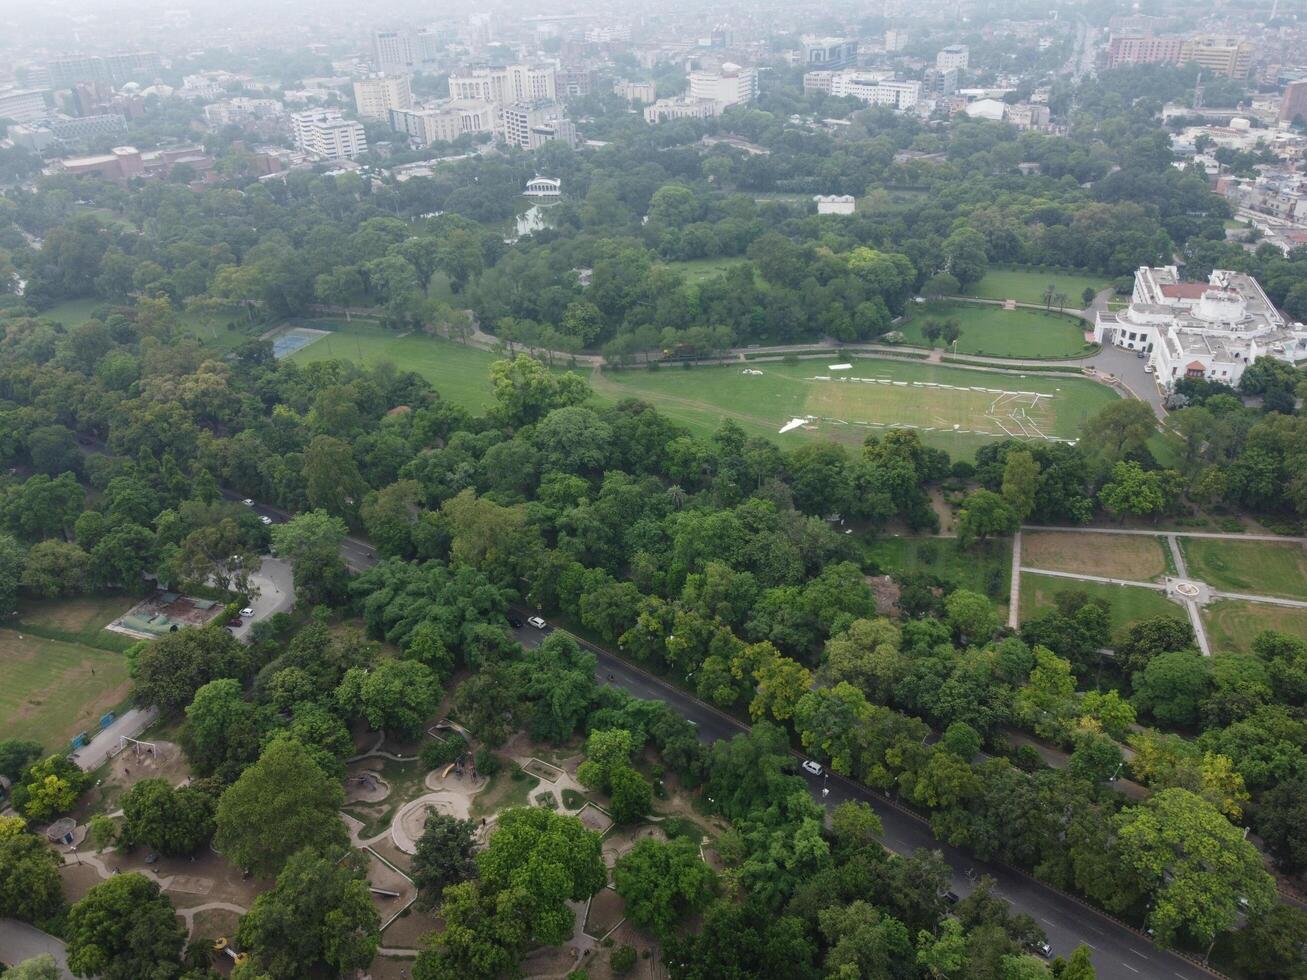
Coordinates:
(265, 519)
(247, 612)
(248, 502)
(810, 767)
(537, 622)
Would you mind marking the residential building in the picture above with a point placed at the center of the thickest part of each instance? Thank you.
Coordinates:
(505, 84)
(732, 85)
(114, 68)
(375, 97)
(681, 107)
(325, 135)
(32, 137)
(575, 82)
(836, 203)
(827, 52)
(532, 124)
(241, 111)
(1143, 49)
(447, 122)
(641, 93)
(1229, 56)
(953, 56)
(1294, 103)
(1025, 116)
(23, 104)
(937, 82)
(615, 33)
(895, 41)
(1211, 330)
(873, 86)
(392, 52)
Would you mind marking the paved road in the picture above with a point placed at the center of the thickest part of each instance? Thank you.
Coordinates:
(1118, 953)
(130, 723)
(19, 941)
(276, 584)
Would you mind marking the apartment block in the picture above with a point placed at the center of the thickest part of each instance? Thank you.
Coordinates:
(374, 98)
(325, 135)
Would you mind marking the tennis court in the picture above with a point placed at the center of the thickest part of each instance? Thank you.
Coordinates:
(288, 338)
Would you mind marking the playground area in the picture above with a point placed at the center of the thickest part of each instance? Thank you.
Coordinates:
(165, 612)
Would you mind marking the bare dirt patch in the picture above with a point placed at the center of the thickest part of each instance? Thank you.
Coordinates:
(366, 787)
(391, 968)
(648, 960)
(1129, 556)
(595, 818)
(383, 878)
(212, 923)
(78, 880)
(607, 908)
(410, 929)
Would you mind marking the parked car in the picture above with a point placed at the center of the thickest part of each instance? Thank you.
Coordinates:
(235, 621)
(1042, 948)
(514, 622)
(265, 519)
(537, 622)
(247, 612)
(952, 898)
(812, 768)
(248, 502)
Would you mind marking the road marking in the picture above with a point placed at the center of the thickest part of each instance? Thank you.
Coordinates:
(1129, 967)
(1049, 921)
(1139, 954)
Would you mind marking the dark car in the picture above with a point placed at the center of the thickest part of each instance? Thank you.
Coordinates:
(952, 898)
(514, 622)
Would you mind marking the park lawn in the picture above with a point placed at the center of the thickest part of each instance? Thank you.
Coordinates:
(989, 329)
(52, 690)
(1029, 285)
(1126, 604)
(74, 312)
(954, 408)
(1129, 556)
(1233, 623)
(461, 374)
(701, 270)
(985, 567)
(1257, 567)
(81, 620)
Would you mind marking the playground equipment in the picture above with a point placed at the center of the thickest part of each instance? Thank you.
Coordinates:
(223, 945)
(383, 892)
(139, 748)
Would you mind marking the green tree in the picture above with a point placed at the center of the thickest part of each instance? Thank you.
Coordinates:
(125, 929)
(319, 915)
(551, 859)
(280, 804)
(526, 391)
(30, 886)
(331, 477)
(16, 754)
(606, 751)
(485, 933)
(49, 787)
(943, 955)
(41, 967)
(985, 513)
(443, 856)
(311, 543)
(1172, 687)
(12, 558)
(1133, 492)
(1020, 482)
(965, 256)
(971, 615)
(171, 821)
(168, 671)
(629, 794)
(663, 883)
(395, 695)
(55, 568)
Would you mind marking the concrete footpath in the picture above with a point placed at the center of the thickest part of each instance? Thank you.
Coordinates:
(19, 941)
(130, 723)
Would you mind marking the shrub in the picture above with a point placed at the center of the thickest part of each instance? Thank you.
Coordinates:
(487, 762)
(623, 959)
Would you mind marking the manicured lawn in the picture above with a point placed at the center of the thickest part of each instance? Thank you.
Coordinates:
(1110, 555)
(1028, 286)
(954, 408)
(1232, 624)
(1256, 567)
(985, 567)
(51, 690)
(990, 329)
(73, 312)
(461, 374)
(1126, 604)
(700, 270)
(81, 620)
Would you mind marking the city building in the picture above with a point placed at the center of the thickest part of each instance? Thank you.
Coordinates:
(835, 203)
(827, 52)
(873, 86)
(114, 68)
(375, 97)
(532, 124)
(681, 107)
(641, 93)
(615, 33)
(241, 111)
(442, 124)
(72, 129)
(730, 86)
(392, 52)
(575, 82)
(1143, 49)
(991, 109)
(505, 84)
(1294, 103)
(1025, 116)
(1211, 330)
(895, 41)
(953, 56)
(325, 135)
(937, 82)
(124, 163)
(544, 187)
(23, 104)
(1229, 56)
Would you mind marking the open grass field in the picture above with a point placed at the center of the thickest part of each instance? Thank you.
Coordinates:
(1257, 567)
(81, 620)
(990, 329)
(700, 270)
(460, 373)
(1232, 623)
(1126, 604)
(985, 567)
(1028, 286)
(954, 408)
(73, 312)
(1112, 555)
(52, 690)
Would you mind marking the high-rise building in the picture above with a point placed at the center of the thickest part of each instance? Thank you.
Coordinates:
(730, 86)
(1229, 56)
(640, 92)
(392, 52)
(505, 84)
(532, 124)
(575, 82)
(827, 52)
(938, 82)
(953, 56)
(323, 134)
(444, 123)
(1294, 103)
(23, 104)
(375, 97)
(113, 68)
(895, 41)
(1143, 49)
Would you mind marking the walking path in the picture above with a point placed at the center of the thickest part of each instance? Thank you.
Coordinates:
(105, 744)
(1190, 605)
(1080, 576)
(1014, 597)
(19, 941)
(1222, 535)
